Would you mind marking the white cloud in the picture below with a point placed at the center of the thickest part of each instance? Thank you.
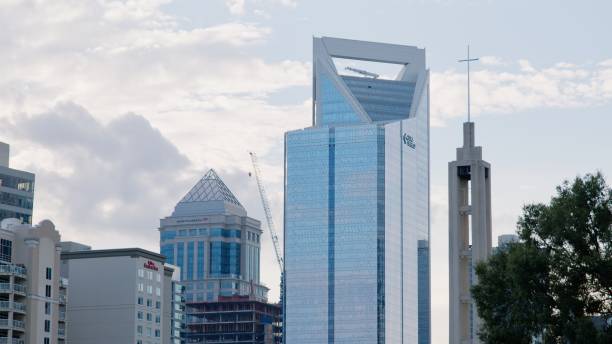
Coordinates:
(235, 6)
(290, 3)
(201, 86)
(496, 90)
(118, 177)
(492, 61)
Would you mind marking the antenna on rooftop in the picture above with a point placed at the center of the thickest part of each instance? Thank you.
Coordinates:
(363, 72)
(468, 60)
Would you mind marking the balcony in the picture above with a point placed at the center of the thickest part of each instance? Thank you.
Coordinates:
(16, 325)
(63, 282)
(5, 340)
(12, 306)
(15, 288)
(62, 316)
(62, 299)
(61, 332)
(13, 270)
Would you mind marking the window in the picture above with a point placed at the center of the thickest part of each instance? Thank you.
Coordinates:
(149, 317)
(167, 250)
(157, 304)
(201, 260)
(224, 259)
(139, 341)
(48, 290)
(157, 333)
(149, 303)
(157, 319)
(149, 332)
(47, 325)
(150, 275)
(140, 300)
(6, 250)
(158, 291)
(167, 235)
(180, 255)
(150, 289)
(47, 308)
(139, 329)
(139, 315)
(158, 277)
(49, 274)
(140, 273)
(140, 287)
(46, 340)
(190, 259)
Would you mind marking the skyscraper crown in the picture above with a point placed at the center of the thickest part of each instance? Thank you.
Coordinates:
(208, 197)
(341, 99)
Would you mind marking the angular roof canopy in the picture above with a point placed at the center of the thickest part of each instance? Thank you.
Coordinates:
(210, 196)
(347, 100)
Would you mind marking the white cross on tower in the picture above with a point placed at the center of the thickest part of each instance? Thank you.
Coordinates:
(468, 60)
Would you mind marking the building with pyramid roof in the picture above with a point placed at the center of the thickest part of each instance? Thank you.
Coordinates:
(217, 246)
(209, 196)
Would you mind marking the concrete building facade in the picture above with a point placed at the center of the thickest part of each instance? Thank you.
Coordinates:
(16, 190)
(30, 284)
(357, 201)
(469, 182)
(118, 296)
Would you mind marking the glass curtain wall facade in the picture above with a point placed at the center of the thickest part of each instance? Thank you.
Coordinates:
(357, 204)
(216, 245)
(16, 190)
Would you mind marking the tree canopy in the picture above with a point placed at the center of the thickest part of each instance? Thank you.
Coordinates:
(556, 283)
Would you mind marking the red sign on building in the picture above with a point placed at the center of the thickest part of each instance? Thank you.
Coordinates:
(151, 266)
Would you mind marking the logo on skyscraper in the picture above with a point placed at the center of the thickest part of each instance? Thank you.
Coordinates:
(408, 141)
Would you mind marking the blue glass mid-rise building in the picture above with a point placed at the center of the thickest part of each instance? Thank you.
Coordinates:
(16, 190)
(357, 262)
(217, 246)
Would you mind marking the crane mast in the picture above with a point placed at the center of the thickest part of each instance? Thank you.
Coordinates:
(268, 212)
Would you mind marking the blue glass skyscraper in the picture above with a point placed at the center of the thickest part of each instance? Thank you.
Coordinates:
(357, 202)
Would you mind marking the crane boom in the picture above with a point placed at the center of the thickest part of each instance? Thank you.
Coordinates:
(268, 212)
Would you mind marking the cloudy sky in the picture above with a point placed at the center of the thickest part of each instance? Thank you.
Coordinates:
(120, 106)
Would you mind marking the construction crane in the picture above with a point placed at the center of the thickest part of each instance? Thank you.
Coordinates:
(266, 205)
(363, 72)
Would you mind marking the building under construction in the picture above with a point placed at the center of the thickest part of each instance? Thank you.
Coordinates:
(236, 319)
(217, 246)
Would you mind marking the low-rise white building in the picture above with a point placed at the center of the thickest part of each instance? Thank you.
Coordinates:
(118, 296)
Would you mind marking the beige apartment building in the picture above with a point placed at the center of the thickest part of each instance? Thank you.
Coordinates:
(30, 284)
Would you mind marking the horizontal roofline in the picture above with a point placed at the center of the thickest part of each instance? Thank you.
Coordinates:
(373, 51)
(119, 252)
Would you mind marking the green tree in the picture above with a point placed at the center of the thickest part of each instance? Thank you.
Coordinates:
(558, 277)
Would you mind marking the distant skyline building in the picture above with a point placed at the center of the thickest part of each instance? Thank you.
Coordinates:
(217, 246)
(357, 259)
(469, 234)
(16, 189)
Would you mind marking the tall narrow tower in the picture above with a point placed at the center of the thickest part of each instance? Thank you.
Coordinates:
(469, 182)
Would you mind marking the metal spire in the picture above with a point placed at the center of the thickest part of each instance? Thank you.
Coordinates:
(468, 60)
